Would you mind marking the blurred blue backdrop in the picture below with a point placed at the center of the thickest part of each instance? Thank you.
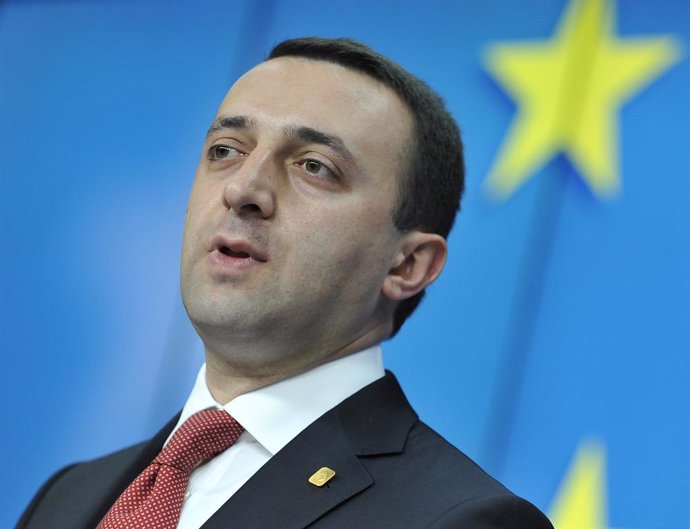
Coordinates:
(553, 350)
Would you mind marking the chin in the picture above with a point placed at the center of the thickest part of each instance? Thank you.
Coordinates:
(229, 318)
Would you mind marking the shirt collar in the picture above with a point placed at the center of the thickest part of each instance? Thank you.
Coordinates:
(275, 414)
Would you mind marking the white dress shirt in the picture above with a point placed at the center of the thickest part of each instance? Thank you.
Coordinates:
(272, 416)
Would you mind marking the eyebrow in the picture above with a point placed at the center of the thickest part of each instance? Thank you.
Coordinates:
(230, 122)
(310, 135)
(295, 132)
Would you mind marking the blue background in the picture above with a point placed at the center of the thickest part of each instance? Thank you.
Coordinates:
(559, 317)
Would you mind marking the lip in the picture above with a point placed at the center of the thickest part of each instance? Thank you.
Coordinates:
(233, 257)
(237, 249)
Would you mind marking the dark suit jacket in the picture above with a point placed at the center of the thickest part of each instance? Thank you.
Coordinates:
(392, 471)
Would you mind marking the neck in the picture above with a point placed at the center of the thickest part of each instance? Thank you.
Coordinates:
(230, 373)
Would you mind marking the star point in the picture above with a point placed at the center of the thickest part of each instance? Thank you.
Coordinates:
(581, 499)
(569, 90)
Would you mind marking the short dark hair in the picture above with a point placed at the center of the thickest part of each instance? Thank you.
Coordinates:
(433, 178)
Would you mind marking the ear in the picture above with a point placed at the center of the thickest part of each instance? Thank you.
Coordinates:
(418, 263)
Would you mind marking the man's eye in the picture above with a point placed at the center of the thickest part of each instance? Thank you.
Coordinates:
(223, 152)
(316, 168)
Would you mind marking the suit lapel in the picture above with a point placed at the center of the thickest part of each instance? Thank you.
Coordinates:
(107, 486)
(374, 421)
(280, 491)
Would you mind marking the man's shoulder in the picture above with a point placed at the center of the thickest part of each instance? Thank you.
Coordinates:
(379, 420)
(66, 491)
(433, 480)
(434, 455)
(79, 494)
(419, 476)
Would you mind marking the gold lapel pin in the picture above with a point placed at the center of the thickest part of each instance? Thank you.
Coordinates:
(321, 476)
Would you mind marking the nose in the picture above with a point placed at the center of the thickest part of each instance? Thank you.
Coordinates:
(250, 190)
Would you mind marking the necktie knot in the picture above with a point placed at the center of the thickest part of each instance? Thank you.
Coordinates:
(200, 438)
(154, 498)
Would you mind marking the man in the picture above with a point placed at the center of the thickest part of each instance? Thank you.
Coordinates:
(328, 182)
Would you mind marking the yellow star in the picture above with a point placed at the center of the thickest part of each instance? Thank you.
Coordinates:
(581, 499)
(569, 90)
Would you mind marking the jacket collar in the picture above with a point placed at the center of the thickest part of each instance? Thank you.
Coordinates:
(378, 418)
(374, 421)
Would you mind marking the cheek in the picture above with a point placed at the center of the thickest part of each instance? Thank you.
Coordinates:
(196, 220)
(205, 197)
(348, 250)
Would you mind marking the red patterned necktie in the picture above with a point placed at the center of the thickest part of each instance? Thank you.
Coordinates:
(154, 498)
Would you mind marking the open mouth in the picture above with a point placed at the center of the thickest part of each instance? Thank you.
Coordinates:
(237, 249)
(231, 253)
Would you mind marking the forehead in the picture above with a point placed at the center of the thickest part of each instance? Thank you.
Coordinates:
(370, 118)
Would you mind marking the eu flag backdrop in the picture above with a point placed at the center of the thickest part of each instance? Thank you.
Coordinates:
(554, 349)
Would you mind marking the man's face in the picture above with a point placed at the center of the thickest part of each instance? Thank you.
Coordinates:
(289, 232)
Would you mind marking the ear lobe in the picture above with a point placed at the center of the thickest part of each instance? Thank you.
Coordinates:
(419, 263)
